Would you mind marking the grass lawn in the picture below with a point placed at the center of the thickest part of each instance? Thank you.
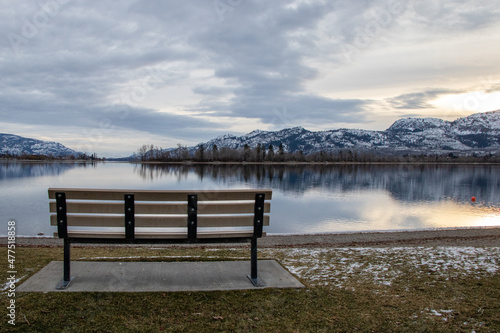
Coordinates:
(348, 289)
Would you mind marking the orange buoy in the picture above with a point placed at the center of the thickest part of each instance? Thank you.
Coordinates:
(473, 199)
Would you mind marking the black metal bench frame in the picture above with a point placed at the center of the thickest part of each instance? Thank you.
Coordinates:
(192, 199)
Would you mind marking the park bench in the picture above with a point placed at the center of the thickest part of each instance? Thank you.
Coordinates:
(155, 216)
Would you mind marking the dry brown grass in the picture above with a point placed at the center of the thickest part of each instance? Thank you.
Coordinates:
(367, 290)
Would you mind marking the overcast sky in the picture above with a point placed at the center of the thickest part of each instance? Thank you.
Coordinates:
(109, 76)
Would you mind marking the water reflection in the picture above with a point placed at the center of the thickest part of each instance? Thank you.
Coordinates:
(13, 169)
(306, 198)
(407, 183)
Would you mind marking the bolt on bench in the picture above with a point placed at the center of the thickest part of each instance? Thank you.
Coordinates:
(153, 216)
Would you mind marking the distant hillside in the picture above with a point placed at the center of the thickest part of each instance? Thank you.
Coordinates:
(17, 145)
(478, 132)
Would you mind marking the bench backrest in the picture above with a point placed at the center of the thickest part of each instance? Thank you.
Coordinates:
(159, 214)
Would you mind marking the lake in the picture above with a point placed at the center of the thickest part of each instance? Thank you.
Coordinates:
(307, 199)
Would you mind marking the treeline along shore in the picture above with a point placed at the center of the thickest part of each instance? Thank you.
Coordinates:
(42, 157)
(268, 153)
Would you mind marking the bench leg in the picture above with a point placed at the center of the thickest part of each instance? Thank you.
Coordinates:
(253, 276)
(64, 283)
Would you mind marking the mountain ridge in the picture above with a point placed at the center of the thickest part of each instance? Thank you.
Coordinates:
(477, 131)
(15, 145)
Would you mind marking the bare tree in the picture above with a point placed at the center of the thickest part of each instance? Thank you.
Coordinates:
(142, 152)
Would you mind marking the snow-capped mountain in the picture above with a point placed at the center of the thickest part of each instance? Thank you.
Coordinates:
(18, 145)
(475, 133)
(479, 131)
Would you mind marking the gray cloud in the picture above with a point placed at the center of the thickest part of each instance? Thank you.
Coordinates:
(267, 67)
(491, 87)
(77, 63)
(454, 15)
(412, 101)
(419, 100)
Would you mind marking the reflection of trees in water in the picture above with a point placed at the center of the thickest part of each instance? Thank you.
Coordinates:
(33, 169)
(157, 171)
(404, 182)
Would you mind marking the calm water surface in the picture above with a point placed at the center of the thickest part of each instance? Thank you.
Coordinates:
(306, 199)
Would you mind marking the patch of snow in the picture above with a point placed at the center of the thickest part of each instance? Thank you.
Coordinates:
(382, 266)
(5, 286)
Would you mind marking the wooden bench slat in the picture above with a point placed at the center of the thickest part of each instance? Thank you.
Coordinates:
(121, 235)
(203, 221)
(119, 221)
(158, 221)
(91, 207)
(224, 234)
(158, 195)
(203, 208)
(230, 208)
(160, 208)
(94, 234)
(228, 221)
(91, 221)
(160, 235)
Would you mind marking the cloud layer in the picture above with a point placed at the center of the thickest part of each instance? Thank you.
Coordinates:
(187, 71)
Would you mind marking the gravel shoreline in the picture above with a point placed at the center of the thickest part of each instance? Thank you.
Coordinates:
(475, 237)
